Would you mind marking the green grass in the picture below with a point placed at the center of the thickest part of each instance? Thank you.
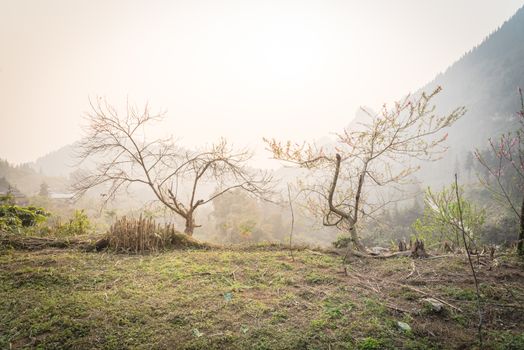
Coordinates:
(217, 299)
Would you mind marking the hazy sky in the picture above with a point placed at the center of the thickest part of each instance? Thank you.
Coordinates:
(239, 69)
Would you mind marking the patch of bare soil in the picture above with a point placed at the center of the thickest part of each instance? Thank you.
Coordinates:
(406, 285)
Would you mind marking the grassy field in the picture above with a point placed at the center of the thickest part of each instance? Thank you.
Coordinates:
(252, 298)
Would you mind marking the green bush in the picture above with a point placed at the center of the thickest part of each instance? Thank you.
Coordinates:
(441, 218)
(79, 224)
(14, 218)
(30, 220)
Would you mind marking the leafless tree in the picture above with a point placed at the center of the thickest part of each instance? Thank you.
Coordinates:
(124, 156)
(373, 155)
(505, 171)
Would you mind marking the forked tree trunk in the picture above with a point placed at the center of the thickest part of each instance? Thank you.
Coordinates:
(350, 218)
(190, 225)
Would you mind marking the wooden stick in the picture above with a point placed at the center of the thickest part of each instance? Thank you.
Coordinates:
(426, 294)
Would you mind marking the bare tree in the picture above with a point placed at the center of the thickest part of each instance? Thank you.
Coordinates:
(504, 165)
(175, 176)
(373, 155)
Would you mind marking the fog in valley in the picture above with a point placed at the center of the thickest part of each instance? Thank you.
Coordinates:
(239, 74)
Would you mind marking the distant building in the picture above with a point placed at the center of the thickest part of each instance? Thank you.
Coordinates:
(6, 189)
(62, 197)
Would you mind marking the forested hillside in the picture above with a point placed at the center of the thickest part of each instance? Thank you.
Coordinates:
(485, 80)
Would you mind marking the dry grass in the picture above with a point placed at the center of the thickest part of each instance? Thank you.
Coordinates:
(145, 235)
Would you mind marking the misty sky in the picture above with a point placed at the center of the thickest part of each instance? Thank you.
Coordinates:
(239, 69)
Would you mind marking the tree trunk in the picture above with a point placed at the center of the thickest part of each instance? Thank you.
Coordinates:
(190, 225)
(520, 244)
(355, 240)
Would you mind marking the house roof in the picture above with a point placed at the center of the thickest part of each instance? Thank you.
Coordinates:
(55, 195)
(5, 188)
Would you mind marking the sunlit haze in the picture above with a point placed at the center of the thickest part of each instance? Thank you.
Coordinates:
(236, 69)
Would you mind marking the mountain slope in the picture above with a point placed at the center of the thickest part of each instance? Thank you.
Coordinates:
(485, 81)
(61, 162)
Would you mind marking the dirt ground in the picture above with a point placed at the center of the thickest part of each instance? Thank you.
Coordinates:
(255, 298)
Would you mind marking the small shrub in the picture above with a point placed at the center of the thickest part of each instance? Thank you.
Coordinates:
(342, 241)
(318, 324)
(79, 224)
(370, 343)
(333, 312)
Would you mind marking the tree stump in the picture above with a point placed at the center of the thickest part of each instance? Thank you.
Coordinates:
(448, 247)
(491, 252)
(418, 250)
(402, 246)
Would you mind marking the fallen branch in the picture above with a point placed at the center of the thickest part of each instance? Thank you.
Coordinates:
(426, 294)
(440, 256)
(362, 278)
(39, 243)
(396, 308)
(366, 255)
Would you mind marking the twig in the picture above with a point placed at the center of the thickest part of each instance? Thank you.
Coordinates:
(396, 308)
(356, 274)
(233, 274)
(479, 307)
(292, 223)
(365, 255)
(440, 256)
(412, 270)
(509, 290)
(427, 295)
